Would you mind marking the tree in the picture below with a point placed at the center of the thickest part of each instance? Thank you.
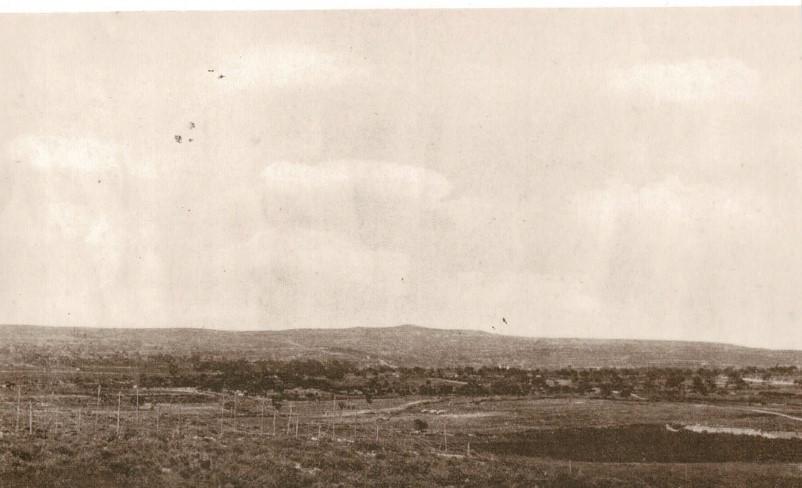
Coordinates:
(675, 380)
(699, 385)
(172, 368)
(420, 425)
(735, 380)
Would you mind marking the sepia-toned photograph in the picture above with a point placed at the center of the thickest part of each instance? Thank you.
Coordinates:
(531, 247)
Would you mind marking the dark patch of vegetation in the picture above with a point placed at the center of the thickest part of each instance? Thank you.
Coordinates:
(301, 379)
(645, 443)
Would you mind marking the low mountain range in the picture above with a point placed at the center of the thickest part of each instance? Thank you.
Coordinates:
(405, 345)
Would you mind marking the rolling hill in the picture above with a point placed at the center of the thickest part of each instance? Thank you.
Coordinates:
(404, 345)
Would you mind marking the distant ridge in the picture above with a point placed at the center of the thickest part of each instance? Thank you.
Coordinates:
(402, 345)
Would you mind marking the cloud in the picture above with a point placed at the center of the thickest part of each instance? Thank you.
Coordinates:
(90, 234)
(288, 65)
(310, 252)
(75, 153)
(353, 176)
(656, 231)
(57, 152)
(697, 260)
(671, 200)
(690, 82)
(284, 276)
(381, 202)
(71, 221)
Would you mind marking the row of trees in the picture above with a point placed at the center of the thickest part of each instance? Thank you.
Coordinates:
(309, 378)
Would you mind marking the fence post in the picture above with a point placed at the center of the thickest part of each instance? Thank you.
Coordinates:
(445, 439)
(222, 412)
(119, 402)
(19, 398)
(97, 409)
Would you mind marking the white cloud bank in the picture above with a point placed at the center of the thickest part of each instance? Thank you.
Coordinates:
(380, 202)
(79, 153)
(59, 152)
(289, 65)
(694, 81)
(357, 176)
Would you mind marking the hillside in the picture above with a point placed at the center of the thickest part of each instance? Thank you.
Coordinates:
(396, 346)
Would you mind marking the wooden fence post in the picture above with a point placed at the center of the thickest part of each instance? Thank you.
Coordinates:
(97, 408)
(222, 413)
(19, 398)
(119, 402)
(445, 437)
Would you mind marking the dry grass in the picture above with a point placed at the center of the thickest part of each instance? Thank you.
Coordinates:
(338, 447)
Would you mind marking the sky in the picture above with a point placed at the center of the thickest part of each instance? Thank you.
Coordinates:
(619, 173)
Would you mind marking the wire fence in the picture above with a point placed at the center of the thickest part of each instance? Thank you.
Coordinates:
(224, 416)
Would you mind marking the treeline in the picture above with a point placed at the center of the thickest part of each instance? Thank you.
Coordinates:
(310, 378)
(254, 377)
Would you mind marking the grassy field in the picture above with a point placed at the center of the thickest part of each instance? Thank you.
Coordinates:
(187, 438)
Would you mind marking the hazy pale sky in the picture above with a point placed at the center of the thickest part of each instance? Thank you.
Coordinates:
(596, 173)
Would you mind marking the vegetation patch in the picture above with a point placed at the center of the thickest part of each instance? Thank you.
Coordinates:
(644, 443)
